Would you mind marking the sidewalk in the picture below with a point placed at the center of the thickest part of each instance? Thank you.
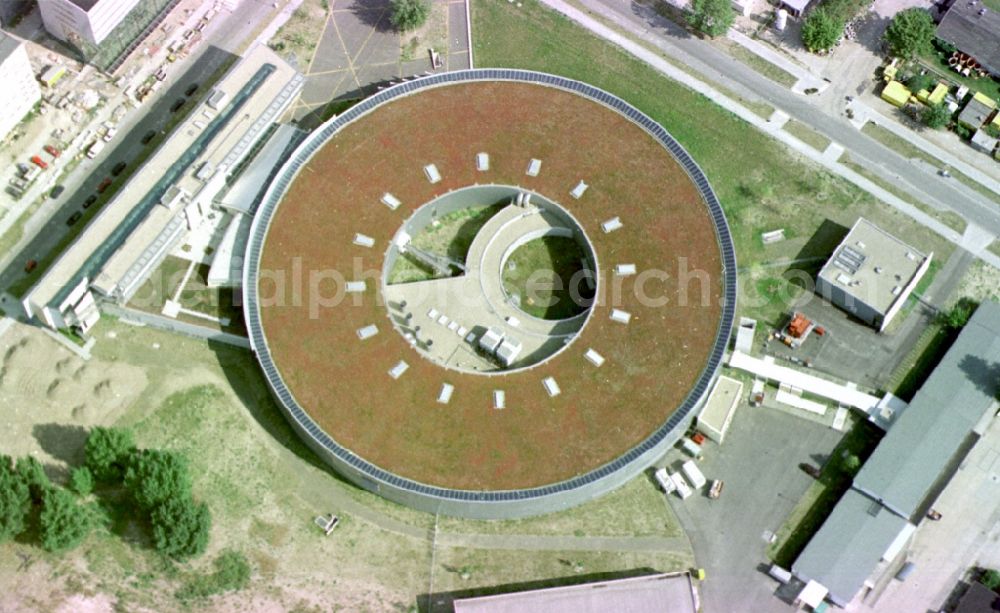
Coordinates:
(806, 79)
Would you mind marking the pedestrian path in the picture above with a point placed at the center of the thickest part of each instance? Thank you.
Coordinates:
(806, 79)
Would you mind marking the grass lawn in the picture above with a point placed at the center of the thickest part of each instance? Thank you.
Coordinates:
(759, 64)
(301, 33)
(949, 218)
(546, 275)
(451, 235)
(908, 149)
(807, 135)
(432, 35)
(761, 185)
(995, 247)
(818, 501)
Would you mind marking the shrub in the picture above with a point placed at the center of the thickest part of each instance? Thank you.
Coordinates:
(180, 527)
(15, 501)
(107, 452)
(155, 476)
(82, 481)
(918, 82)
(936, 116)
(990, 578)
(63, 523)
(33, 475)
(911, 33)
(408, 14)
(821, 30)
(711, 17)
(232, 573)
(958, 315)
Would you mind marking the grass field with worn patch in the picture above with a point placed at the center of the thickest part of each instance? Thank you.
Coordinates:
(546, 276)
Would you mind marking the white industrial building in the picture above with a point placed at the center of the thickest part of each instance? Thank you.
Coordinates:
(20, 91)
(168, 196)
(89, 21)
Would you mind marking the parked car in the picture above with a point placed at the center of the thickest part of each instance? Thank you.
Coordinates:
(57, 191)
(23, 168)
(52, 151)
(75, 217)
(191, 89)
(148, 136)
(91, 199)
(119, 167)
(104, 185)
(37, 161)
(30, 265)
(177, 105)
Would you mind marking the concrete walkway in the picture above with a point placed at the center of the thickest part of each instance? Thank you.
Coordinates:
(806, 79)
(669, 70)
(532, 542)
(172, 325)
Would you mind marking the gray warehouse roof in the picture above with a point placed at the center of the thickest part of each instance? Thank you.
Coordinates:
(918, 448)
(649, 594)
(973, 29)
(872, 265)
(852, 541)
(8, 44)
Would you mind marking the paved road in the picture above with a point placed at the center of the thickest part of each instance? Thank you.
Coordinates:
(719, 67)
(127, 146)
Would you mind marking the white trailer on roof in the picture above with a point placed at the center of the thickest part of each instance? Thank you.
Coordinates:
(693, 474)
(680, 485)
(664, 480)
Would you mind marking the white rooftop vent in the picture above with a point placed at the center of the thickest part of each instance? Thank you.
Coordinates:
(624, 270)
(499, 399)
(446, 391)
(482, 162)
(551, 386)
(390, 201)
(432, 173)
(397, 371)
(367, 332)
(363, 241)
(491, 339)
(911, 256)
(433, 314)
(578, 191)
(620, 316)
(593, 357)
(355, 286)
(534, 167)
(508, 350)
(861, 244)
(897, 290)
(611, 225)
(842, 278)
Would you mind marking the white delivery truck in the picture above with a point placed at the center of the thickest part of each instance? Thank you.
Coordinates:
(693, 475)
(664, 480)
(681, 485)
(94, 148)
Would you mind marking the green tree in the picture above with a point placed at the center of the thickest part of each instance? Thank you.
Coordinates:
(910, 33)
(180, 527)
(919, 81)
(936, 116)
(15, 501)
(155, 476)
(82, 481)
(990, 578)
(821, 30)
(33, 475)
(711, 17)
(63, 523)
(107, 452)
(958, 315)
(852, 463)
(408, 14)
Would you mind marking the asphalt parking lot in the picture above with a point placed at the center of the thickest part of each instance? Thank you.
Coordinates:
(359, 50)
(759, 464)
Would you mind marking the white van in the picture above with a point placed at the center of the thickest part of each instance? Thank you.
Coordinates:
(693, 474)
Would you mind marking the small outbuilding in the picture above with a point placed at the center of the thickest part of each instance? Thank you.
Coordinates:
(715, 418)
(896, 93)
(982, 141)
(977, 111)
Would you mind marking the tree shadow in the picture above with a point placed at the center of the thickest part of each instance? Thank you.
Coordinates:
(983, 374)
(374, 14)
(61, 441)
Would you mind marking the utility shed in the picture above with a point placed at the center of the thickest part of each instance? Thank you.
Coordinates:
(673, 592)
(720, 408)
(895, 93)
(983, 142)
(972, 28)
(937, 429)
(871, 274)
(858, 535)
(976, 112)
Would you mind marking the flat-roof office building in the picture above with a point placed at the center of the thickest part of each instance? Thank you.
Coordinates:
(20, 90)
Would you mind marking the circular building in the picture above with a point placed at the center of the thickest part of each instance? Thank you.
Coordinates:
(490, 293)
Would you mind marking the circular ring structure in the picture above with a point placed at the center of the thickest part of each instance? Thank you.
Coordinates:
(536, 439)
